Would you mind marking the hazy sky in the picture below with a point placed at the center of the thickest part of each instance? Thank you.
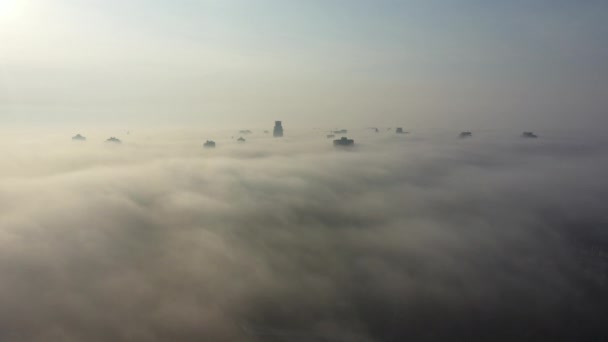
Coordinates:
(470, 64)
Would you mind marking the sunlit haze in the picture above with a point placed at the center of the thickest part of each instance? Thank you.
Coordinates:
(478, 64)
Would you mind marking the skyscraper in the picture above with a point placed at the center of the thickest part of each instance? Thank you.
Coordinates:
(278, 129)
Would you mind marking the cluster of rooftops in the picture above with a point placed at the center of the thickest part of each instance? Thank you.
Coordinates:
(79, 137)
(278, 132)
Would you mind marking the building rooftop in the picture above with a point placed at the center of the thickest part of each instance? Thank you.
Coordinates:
(529, 135)
(344, 141)
(114, 140)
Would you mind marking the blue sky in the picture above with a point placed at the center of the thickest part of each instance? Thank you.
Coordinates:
(419, 63)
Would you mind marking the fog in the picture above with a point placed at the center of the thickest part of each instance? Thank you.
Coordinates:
(422, 236)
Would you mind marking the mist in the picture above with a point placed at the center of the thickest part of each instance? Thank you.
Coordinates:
(422, 236)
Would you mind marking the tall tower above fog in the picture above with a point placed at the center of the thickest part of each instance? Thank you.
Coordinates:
(278, 129)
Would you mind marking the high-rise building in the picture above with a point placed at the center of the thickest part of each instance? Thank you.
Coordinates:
(278, 129)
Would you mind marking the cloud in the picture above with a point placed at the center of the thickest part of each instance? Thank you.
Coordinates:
(288, 239)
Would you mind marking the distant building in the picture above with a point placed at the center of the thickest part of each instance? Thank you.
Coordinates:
(465, 134)
(344, 141)
(241, 139)
(245, 131)
(209, 144)
(341, 131)
(529, 135)
(399, 130)
(79, 137)
(114, 140)
(278, 129)
(329, 136)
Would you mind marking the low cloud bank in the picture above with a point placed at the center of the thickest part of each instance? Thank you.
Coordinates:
(290, 239)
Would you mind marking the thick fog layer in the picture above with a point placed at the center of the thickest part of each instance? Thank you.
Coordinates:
(421, 236)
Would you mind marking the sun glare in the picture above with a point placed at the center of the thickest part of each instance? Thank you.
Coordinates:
(12, 9)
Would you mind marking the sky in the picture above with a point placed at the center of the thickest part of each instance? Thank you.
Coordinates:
(468, 64)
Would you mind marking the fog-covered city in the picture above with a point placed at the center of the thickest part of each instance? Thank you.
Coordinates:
(313, 170)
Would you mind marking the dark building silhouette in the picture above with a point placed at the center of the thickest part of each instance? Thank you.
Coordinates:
(79, 137)
(529, 135)
(341, 131)
(114, 140)
(399, 130)
(241, 139)
(344, 141)
(329, 136)
(465, 134)
(278, 129)
(209, 144)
